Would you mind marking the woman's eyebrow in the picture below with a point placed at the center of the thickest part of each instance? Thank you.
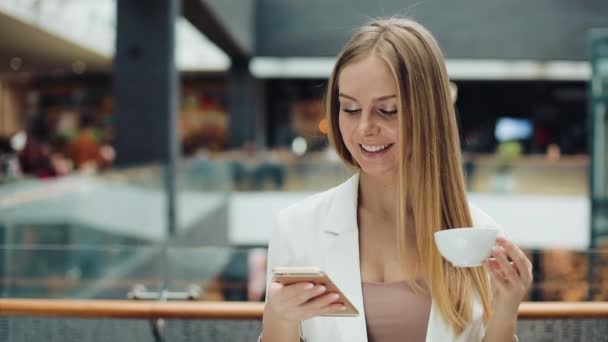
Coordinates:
(347, 96)
(381, 98)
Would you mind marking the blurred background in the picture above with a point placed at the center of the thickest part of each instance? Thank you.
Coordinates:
(146, 146)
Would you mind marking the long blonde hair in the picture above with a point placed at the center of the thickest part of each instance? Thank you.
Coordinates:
(431, 186)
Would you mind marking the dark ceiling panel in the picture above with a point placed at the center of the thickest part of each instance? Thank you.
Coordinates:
(227, 23)
(476, 29)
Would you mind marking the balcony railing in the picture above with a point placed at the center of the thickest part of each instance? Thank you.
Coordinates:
(236, 310)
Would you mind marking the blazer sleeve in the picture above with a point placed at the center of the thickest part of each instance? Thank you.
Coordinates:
(279, 254)
(279, 249)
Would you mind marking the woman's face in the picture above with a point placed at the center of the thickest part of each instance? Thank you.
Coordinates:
(368, 116)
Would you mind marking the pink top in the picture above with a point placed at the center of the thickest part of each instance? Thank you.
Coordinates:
(393, 312)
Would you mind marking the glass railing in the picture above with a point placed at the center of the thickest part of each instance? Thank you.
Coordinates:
(80, 228)
(219, 198)
(227, 274)
(121, 272)
(120, 207)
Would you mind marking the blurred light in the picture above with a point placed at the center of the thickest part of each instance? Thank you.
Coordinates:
(16, 63)
(458, 69)
(299, 146)
(79, 67)
(292, 67)
(499, 69)
(18, 141)
(513, 129)
(323, 126)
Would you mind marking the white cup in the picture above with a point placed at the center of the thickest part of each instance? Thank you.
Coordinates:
(466, 247)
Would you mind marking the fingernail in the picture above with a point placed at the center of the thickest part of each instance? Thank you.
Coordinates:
(342, 308)
(322, 288)
(309, 286)
(335, 296)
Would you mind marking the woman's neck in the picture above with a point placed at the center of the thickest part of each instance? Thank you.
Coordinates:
(378, 195)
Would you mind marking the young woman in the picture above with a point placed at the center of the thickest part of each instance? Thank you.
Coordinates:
(391, 117)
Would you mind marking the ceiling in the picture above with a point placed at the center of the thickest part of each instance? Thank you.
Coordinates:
(514, 30)
(539, 30)
(59, 35)
(41, 51)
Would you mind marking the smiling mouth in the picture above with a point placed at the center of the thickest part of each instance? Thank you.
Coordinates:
(374, 148)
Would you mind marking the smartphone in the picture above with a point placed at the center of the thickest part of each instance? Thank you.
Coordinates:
(292, 275)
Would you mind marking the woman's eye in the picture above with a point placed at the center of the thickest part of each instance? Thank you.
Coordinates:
(351, 110)
(388, 112)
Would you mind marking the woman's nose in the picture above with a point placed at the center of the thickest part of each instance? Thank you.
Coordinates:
(367, 124)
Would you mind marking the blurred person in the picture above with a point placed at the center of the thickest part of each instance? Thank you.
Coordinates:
(34, 159)
(257, 170)
(9, 162)
(84, 148)
(256, 280)
(391, 118)
(33, 152)
(62, 165)
(106, 156)
(39, 153)
(234, 278)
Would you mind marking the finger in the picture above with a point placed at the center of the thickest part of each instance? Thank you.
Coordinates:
(331, 308)
(309, 294)
(494, 269)
(320, 305)
(505, 267)
(496, 279)
(328, 309)
(520, 261)
(295, 290)
(320, 302)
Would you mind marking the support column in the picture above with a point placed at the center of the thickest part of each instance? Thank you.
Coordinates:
(598, 124)
(245, 101)
(145, 81)
(598, 147)
(146, 90)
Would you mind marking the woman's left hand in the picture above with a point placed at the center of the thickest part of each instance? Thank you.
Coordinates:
(510, 280)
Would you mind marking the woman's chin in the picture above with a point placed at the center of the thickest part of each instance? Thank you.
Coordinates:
(376, 172)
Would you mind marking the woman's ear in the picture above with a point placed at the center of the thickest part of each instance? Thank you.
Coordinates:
(453, 92)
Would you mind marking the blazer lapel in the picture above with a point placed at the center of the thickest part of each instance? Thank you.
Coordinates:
(341, 248)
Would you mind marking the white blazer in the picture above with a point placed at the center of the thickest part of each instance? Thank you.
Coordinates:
(322, 231)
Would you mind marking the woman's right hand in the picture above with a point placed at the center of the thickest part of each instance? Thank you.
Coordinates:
(299, 301)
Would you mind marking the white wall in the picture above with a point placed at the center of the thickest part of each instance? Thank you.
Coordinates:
(530, 221)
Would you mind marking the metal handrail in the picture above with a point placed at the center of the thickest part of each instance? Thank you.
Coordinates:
(236, 310)
(130, 309)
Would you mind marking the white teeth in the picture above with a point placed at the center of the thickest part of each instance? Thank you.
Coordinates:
(370, 148)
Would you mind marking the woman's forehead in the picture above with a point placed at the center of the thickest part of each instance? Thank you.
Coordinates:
(369, 78)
